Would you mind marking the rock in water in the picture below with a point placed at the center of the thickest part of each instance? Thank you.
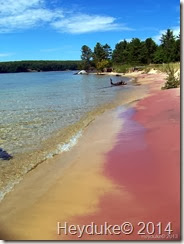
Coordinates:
(4, 155)
(82, 72)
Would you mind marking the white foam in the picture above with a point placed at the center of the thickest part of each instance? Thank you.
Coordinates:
(66, 146)
(8, 188)
(60, 148)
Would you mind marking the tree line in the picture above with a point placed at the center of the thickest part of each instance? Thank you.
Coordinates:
(135, 52)
(31, 66)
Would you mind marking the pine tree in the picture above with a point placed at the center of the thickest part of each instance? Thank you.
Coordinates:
(120, 53)
(168, 45)
(86, 56)
(151, 49)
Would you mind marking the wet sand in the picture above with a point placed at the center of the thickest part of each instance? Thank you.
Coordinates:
(145, 165)
(65, 186)
(126, 167)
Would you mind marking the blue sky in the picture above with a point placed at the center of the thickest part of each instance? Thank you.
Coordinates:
(56, 29)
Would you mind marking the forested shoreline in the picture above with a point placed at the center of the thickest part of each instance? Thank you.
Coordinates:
(125, 54)
(38, 66)
(132, 53)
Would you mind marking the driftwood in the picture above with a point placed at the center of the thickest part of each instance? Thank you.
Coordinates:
(120, 83)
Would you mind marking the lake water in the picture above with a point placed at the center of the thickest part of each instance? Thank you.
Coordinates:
(44, 113)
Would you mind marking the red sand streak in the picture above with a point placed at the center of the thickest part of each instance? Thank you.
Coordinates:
(145, 165)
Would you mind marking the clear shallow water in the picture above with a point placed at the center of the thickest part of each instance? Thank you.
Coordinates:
(43, 114)
(34, 105)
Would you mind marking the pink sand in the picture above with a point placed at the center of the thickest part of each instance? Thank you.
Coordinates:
(145, 165)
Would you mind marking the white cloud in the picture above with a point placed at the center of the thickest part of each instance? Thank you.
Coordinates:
(24, 14)
(126, 39)
(175, 29)
(25, 20)
(157, 37)
(16, 7)
(6, 54)
(83, 23)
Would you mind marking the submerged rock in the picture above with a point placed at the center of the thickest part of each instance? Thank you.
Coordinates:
(4, 155)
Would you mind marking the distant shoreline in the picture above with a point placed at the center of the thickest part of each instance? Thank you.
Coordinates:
(38, 66)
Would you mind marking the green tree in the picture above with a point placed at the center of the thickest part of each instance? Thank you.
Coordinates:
(107, 51)
(151, 48)
(102, 53)
(120, 53)
(102, 64)
(86, 56)
(158, 56)
(168, 45)
(143, 55)
(136, 52)
(177, 49)
(99, 53)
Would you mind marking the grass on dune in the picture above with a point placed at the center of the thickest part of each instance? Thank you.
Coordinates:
(172, 70)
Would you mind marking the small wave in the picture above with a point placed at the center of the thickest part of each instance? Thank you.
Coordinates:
(61, 141)
(9, 187)
(66, 146)
(60, 148)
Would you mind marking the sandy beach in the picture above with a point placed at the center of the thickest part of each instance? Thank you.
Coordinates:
(125, 168)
